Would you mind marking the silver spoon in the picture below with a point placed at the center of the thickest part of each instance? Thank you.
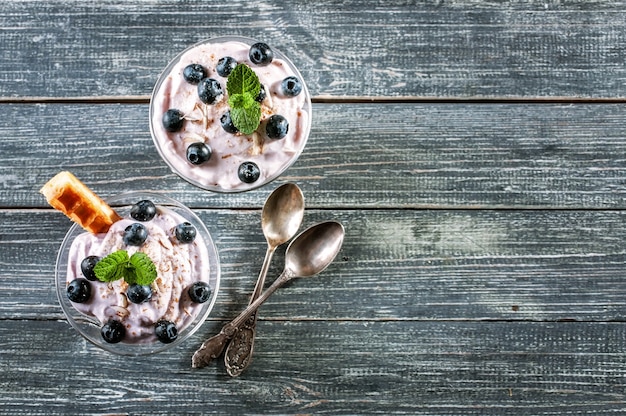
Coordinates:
(280, 219)
(307, 255)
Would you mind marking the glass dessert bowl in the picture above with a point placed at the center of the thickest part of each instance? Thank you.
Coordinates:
(131, 316)
(230, 114)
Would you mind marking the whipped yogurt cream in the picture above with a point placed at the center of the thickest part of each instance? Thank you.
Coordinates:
(178, 265)
(202, 121)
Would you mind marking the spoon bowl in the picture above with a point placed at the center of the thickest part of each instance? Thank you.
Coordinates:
(314, 249)
(282, 214)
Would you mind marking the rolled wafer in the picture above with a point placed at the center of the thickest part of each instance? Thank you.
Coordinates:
(69, 195)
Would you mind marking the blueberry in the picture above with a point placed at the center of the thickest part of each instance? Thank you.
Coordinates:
(138, 293)
(248, 172)
(135, 234)
(209, 90)
(198, 153)
(261, 95)
(261, 54)
(225, 65)
(172, 120)
(79, 290)
(185, 232)
(194, 73)
(199, 292)
(87, 265)
(143, 210)
(227, 123)
(276, 127)
(113, 331)
(291, 86)
(165, 331)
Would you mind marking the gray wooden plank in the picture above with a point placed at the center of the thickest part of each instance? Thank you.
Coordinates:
(344, 48)
(358, 155)
(394, 265)
(311, 367)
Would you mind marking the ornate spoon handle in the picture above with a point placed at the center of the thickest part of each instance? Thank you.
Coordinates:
(239, 351)
(213, 347)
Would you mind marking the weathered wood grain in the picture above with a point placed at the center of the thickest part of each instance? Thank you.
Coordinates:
(474, 151)
(356, 368)
(394, 265)
(428, 48)
(363, 156)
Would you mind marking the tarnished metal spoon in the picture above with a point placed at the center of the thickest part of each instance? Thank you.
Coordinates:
(280, 219)
(307, 255)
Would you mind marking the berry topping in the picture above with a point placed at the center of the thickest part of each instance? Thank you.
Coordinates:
(209, 90)
(261, 95)
(172, 120)
(135, 234)
(225, 65)
(87, 265)
(194, 73)
(261, 54)
(79, 290)
(143, 210)
(138, 293)
(227, 123)
(199, 292)
(185, 232)
(165, 331)
(113, 331)
(291, 86)
(198, 153)
(248, 172)
(276, 127)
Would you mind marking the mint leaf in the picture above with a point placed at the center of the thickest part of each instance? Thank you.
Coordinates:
(243, 80)
(112, 266)
(143, 268)
(238, 101)
(138, 269)
(243, 86)
(246, 120)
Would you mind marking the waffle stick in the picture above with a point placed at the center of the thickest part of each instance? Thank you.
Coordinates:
(69, 195)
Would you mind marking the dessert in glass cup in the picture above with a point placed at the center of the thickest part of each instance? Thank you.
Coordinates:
(230, 114)
(144, 279)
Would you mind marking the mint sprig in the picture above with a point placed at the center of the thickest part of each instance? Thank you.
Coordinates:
(243, 86)
(136, 269)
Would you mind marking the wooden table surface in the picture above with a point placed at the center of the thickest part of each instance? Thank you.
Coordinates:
(473, 150)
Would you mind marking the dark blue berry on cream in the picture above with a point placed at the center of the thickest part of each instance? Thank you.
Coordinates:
(172, 120)
(166, 331)
(143, 210)
(225, 66)
(194, 73)
(291, 86)
(209, 90)
(113, 331)
(87, 265)
(198, 153)
(79, 290)
(276, 127)
(135, 234)
(185, 232)
(248, 172)
(261, 54)
(199, 292)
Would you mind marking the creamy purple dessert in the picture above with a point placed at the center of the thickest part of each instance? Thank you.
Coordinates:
(191, 119)
(137, 313)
